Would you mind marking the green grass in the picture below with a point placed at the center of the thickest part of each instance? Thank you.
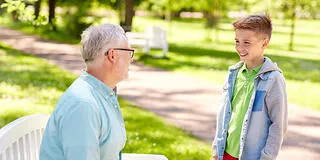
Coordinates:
(30, 85)
(148, 133)
(192, 54)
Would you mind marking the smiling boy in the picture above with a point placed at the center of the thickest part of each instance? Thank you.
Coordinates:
(252, 120)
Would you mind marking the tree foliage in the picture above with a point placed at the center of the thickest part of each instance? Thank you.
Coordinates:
(21, 12)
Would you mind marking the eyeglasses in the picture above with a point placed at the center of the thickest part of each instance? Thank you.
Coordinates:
(131, 51)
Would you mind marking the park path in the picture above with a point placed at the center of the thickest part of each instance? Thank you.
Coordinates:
(187, 102)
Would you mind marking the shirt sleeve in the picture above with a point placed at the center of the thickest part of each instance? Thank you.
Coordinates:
(79, 132)
(276, 101)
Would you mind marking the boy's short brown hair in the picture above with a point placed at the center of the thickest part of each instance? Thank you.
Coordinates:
(259, 23)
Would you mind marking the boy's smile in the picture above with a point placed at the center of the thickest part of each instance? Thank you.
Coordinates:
(250, 47)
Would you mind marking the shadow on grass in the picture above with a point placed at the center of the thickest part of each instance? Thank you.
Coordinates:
(29, 74)
(25, 70)
(45, 32)
(293, 68)
(174, 63)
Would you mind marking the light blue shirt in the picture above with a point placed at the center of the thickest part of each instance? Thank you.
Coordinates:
(86, 124)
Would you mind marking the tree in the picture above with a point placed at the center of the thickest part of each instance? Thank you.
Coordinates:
(0, 5)
(126, 11)
(37, 7)
(211, 13)
(293, 9)
(52, 6)
(20, 11)
(129, 13)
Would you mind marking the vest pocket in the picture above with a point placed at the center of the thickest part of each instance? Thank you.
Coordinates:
(258, 100)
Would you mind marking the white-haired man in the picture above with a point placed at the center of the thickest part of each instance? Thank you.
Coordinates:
(87, 123)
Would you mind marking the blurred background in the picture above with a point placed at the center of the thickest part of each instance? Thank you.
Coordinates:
(201, 44)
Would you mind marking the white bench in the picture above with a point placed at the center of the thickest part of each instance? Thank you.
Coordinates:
(21, 140)
(153, 37)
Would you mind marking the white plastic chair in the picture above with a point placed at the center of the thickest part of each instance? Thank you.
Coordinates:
(21, 139)
(153, 37)
(139, 40)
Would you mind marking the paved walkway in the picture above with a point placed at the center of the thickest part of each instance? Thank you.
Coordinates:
(187, 102)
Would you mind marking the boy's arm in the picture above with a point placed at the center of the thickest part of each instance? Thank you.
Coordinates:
(219, 120)
(215, 141)
(214, 147)
(276, 101)
(218, 126)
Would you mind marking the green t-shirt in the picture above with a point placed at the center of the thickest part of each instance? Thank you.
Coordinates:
(242, 93)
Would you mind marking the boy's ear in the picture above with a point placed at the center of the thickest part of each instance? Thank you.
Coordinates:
(265, 43)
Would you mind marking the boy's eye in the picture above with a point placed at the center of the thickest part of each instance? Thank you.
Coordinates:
(246, 43)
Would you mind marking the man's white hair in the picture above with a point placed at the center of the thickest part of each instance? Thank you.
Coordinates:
(96, 40)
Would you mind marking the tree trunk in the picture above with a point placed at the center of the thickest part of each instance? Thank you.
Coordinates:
(37, 7)
(52, 6)
(293, 22)
(0, 5)
(121, 12)
(217, 14)
(129, 15)
(168, 18)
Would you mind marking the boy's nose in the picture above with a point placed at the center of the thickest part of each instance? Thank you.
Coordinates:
(240, 48)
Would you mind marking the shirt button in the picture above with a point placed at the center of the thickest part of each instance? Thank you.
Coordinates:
(115, 106)
(112, 93)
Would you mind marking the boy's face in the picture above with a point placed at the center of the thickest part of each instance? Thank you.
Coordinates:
(250, 46)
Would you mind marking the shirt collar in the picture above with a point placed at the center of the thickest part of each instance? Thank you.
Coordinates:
(97, 84)
(254, 70)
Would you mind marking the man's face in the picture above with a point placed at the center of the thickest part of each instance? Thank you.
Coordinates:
(250, 45)
(123, 61)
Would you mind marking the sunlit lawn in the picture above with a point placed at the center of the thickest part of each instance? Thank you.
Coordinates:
(192, 54)
(30, 85)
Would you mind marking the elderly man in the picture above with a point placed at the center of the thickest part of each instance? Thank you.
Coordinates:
(87, 123)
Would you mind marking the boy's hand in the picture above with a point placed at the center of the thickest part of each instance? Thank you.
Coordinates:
(215, 158)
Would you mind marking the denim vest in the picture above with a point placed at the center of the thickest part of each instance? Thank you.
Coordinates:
(265, 121)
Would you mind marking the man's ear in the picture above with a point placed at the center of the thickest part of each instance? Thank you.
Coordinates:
(110, 56)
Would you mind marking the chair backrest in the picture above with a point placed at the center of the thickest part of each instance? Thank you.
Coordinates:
(133, 156)
(157, 36)
(21, 139)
